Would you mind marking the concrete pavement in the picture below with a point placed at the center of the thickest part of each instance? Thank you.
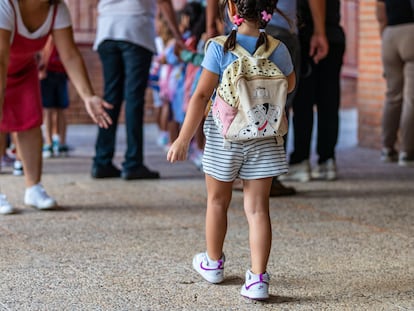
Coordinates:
(117, 245)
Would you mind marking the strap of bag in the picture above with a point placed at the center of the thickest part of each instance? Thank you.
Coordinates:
(239, 51)
(273, 43)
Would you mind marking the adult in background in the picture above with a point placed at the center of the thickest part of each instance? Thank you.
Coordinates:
(279, 28)
(319, 85)
(24, 29)
(396, 20)
(125, 43)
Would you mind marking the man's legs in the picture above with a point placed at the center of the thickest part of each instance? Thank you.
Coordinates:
(137, 65)
(113, 72)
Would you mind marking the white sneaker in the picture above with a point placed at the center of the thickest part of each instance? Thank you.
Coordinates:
(389, 155)
(37, 197)
(256, 286)
(18, 168)
(212, 271)
(405, 161)
(325, 170)
(5, 206)
(298, 172)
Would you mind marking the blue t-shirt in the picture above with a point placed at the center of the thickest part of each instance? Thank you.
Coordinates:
(216, 61)
(288, 7)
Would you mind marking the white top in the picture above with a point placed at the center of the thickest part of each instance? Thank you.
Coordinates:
(127, 20)
(7, 20)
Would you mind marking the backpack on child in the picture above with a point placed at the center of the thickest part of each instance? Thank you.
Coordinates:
(251, 97)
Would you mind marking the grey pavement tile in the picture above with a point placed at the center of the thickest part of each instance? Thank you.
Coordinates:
(117, 245)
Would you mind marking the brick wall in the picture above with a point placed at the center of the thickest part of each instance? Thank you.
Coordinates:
(371, 85)
(76, 112)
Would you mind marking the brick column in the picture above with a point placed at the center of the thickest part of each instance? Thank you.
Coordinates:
(371, 84)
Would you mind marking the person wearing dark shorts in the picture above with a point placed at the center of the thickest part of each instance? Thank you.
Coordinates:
(55, 100)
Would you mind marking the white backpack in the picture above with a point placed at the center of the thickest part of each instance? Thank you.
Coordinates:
(251, 97)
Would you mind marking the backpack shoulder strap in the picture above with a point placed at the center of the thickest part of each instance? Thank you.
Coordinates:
(219, 40)
(239, 51)
(273, 44)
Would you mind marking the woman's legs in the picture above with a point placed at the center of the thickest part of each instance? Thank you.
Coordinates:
(256, 207)
(218, 201)
(29, 148)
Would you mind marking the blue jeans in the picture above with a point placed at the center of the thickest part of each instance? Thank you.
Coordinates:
(126, 70)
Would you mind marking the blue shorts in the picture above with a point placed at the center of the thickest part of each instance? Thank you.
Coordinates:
(54, 90)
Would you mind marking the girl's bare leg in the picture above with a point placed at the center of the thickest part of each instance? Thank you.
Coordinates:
(256, 207)
(218, 201)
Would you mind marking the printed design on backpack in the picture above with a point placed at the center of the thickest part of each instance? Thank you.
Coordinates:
(251, 97)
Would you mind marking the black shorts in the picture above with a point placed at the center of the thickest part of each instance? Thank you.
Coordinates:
(55, 90)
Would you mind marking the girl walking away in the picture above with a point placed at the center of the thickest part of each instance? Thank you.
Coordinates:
(255, 161)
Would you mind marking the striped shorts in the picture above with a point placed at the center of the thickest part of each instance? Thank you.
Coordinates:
(253, 159)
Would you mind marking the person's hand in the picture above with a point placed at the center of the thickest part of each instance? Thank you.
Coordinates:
(95, 106)
(178, 151)
(42, 74)
(318, 47)
(180, 44)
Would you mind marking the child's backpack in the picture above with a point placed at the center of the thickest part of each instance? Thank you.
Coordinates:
(251, 97)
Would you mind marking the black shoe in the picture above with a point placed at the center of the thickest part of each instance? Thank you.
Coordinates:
(278, 189)
(109, 171)
(140, 173)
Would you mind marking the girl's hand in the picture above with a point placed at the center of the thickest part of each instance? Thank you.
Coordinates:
(95, 106)
(178, 151)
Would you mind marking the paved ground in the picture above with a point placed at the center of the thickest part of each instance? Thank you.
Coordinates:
(117, 245)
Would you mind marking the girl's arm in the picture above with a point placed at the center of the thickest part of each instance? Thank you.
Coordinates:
(76, 70)
(195, 113)
(4, 62)
(44, 56)
(291, 81)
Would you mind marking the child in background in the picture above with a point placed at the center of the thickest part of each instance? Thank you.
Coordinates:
(256, 162)
(193, 20)
(158, 73)
(55, 100)
(169, 72)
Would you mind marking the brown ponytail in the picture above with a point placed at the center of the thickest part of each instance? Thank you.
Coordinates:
(230, 43)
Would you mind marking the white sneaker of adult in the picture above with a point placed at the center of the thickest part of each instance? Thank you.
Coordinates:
(298, 172)
(325, 170)
(405, 161)
(212, 271)
(37, 197)
(5, 206)
(256, 286)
